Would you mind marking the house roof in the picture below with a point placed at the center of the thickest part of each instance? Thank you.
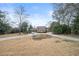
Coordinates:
(41, 27)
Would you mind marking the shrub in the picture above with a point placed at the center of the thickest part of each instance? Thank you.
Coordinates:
(4, 28)
(24, 27)
(66, 29)
(15, 30)
(52, 25)
(57, 29)
(61, 29)
(30, 29)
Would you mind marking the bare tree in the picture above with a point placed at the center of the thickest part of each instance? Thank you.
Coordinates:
(21, 15)
(58, 13)
(64, 13)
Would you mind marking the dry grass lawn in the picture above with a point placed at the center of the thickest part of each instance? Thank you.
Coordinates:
(28, 46)
(9, 35)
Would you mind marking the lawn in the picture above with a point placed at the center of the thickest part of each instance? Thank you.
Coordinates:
(9, 35)
(25, 46)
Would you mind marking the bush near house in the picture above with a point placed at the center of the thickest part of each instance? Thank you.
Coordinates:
(57, 29)
(66, 29)
(61, 29)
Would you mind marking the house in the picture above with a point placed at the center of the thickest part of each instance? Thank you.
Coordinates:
(41, 29)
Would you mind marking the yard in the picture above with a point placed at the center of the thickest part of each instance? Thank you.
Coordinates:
(39, 45)
(9, 35)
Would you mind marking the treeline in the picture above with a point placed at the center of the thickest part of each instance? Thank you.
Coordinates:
(66, 18)
(22, 27)
(4, 25)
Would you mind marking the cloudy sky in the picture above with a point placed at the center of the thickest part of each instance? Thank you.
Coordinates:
(40, 13)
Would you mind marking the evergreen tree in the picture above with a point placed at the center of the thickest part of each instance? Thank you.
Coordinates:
(30, 29)
(4, 26)
(76, 24)
(24, 27)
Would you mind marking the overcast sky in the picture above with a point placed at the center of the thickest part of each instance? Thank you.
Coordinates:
(40, 13)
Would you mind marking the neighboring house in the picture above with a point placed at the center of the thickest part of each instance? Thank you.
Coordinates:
(41, 29)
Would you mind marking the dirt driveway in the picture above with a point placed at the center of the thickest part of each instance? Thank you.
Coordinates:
(26, 45)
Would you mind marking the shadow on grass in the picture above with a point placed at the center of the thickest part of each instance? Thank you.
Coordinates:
(72, 41)
(75, 43)
(57, 41)
(40, 36)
